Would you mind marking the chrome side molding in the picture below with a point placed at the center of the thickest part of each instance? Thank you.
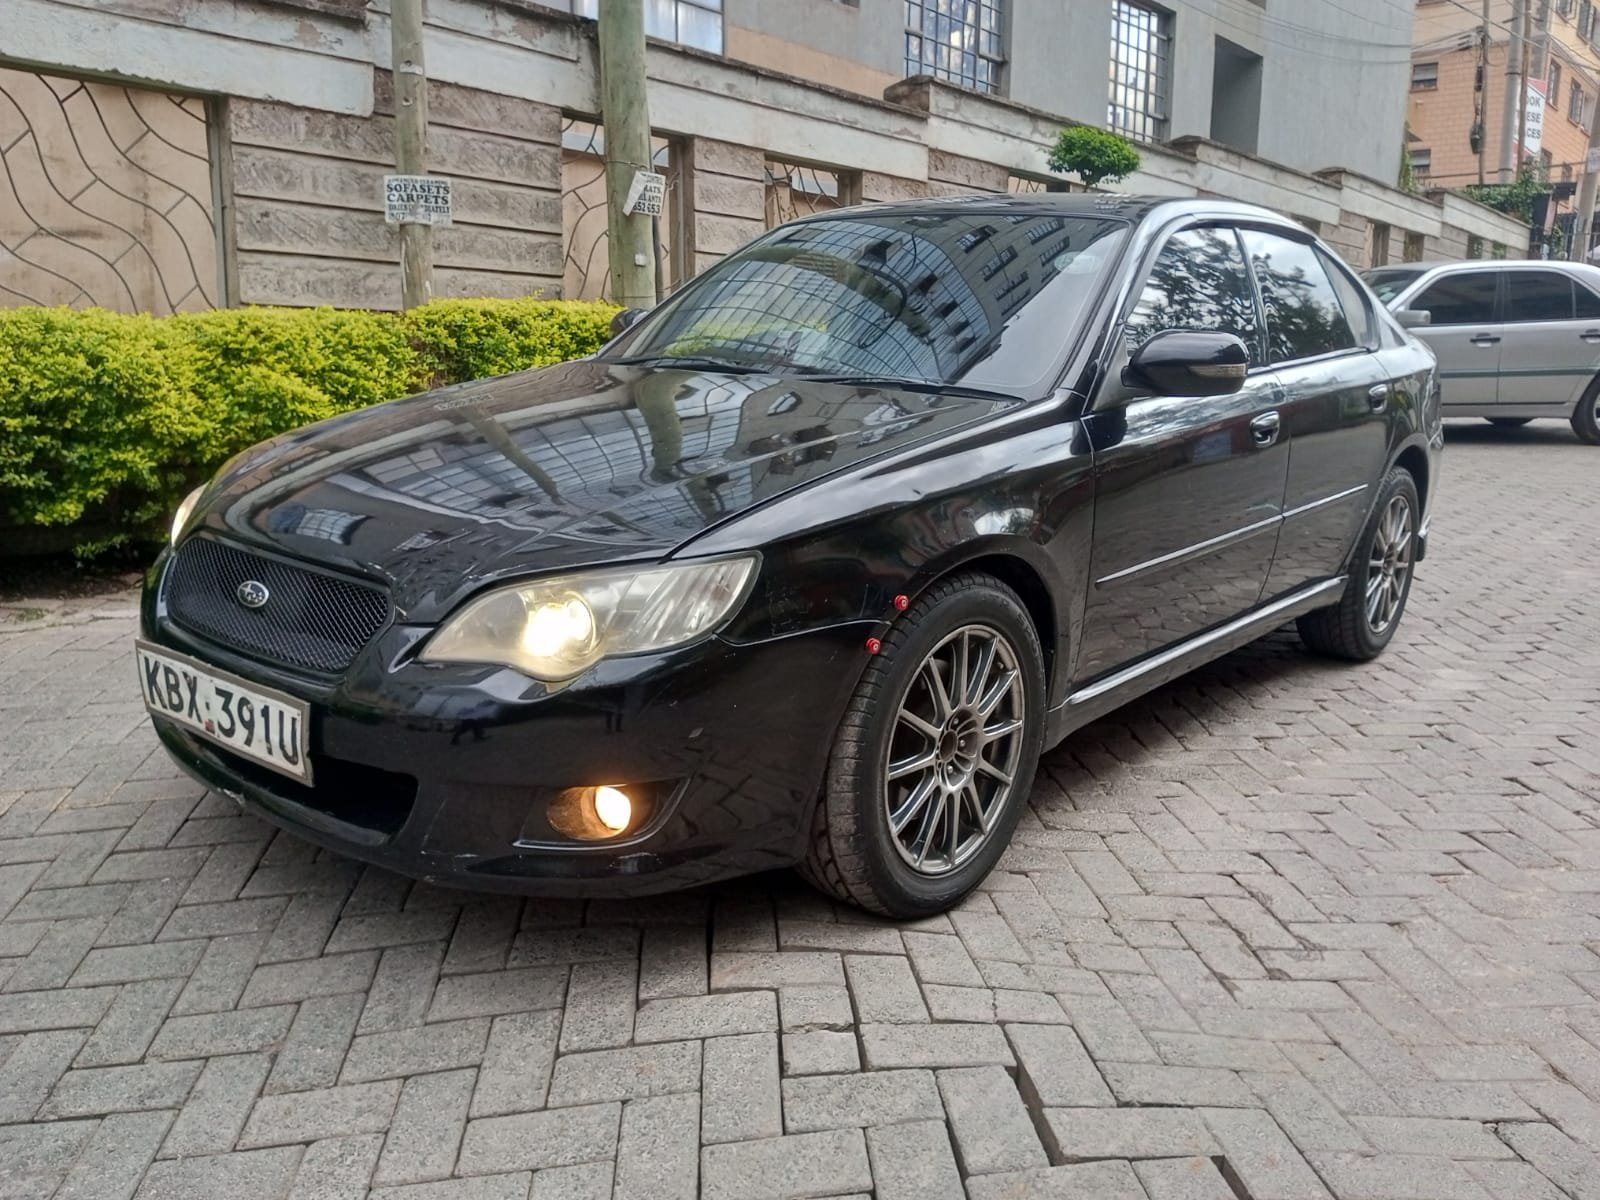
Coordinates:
(1096, 699)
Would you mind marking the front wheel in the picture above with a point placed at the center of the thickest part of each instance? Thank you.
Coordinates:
(1586, 417)
(1364, 620)
(936, 754)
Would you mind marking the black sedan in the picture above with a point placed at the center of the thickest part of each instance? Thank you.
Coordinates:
(810, 563)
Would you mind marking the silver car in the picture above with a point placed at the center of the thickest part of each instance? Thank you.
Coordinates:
(1515, 340)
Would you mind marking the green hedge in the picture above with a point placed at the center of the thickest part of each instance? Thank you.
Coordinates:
(106, 420)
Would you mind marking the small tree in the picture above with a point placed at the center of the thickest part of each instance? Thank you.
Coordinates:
(1094, 155)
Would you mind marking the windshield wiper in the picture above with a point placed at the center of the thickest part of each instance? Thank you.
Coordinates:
(691, 362)
(930, 387)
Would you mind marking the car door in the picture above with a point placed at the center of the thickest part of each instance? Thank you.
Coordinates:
(1188, 490)
(1321, 337)
(1464, 333)
(1545, 349)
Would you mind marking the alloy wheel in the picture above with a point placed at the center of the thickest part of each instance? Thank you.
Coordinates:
(1389, 565)
(954, 752)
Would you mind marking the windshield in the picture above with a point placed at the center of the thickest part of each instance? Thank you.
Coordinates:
(980, 299)
(1388, 282)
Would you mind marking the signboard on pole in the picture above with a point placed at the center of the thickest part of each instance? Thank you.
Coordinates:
(1533, 142)
(417, 200)
(646, 194)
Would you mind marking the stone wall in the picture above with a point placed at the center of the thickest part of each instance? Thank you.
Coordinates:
(307, 187)
(299, 93)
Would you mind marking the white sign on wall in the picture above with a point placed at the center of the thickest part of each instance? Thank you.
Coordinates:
(1534, 139)
(417, 200)
(646, 194)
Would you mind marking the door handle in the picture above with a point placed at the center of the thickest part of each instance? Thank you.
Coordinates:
(1264, 429)
(1590, 335)
(1378, 397)
(1484, 339)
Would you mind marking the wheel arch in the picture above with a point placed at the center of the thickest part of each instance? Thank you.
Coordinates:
(1414, 459)
(1013, 564)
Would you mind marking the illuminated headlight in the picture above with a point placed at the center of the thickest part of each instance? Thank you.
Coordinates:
(554, 629)
(180, 519)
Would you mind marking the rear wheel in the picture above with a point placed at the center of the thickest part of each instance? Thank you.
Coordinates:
(936, 754)
(1586, 417)
(1367, 615)
(1507, 422)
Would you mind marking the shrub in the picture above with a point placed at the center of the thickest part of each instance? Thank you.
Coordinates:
(1095, 155)
(459, 340)
(106, 419)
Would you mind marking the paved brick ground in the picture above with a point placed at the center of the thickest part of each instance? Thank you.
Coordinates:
(1285, 930)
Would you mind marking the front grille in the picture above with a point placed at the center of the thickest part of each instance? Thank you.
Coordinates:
(309, 620)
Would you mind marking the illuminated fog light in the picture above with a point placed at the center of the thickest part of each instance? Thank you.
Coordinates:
(601, 813)
(613, 808)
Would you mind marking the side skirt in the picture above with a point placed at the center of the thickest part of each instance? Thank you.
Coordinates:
(1095, 700)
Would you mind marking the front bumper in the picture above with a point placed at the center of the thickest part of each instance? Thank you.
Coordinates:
(444, 772)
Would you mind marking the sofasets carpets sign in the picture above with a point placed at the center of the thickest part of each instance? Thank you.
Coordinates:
(417, 200)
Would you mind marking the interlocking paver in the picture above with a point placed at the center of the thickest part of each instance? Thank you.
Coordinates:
(1283, 928)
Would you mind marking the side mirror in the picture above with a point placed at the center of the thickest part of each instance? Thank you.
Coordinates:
(626, 320)
(1413, 318)
(1182, 362)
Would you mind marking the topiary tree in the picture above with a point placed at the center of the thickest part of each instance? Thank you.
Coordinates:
(1094, 155)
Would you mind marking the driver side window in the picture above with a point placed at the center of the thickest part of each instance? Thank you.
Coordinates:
(1199, 282)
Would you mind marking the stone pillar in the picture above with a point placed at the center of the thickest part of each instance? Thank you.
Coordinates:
(724, 196)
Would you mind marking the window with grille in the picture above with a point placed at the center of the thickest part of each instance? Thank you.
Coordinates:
(956, 40)
(696, 23)
(1421, 161)
(1141, 70)
(1424, 76)
(1575, 103)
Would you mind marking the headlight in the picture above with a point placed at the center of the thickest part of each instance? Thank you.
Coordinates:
(180, 519)
(554, 629)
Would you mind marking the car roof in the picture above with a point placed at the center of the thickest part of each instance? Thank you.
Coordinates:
(1133, 208)
(1487, 264)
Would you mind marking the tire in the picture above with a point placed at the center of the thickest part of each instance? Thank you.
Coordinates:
(1586, 417)
(856, 853)
(1356, 629)
(1508, 422)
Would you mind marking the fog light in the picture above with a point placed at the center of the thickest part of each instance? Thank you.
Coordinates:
(613, 808)
(601, 813)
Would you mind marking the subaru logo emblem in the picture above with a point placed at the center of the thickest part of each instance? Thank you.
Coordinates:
(252, 593)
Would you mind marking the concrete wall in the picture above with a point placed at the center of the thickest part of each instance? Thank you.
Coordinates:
(304, 134)
(1317, 59)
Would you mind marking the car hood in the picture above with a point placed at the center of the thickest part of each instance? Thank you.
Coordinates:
(550, 469)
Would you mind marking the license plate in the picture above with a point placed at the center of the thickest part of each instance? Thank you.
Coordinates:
(257, 723)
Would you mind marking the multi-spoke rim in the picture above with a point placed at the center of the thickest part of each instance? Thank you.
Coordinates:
(954, 750)
(1389, 565)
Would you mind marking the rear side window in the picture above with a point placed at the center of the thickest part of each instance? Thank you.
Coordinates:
(1357, 308)
(1588, 303)
(1199, 282)
(1463, 299)
(1538, 296)
(1304, 316)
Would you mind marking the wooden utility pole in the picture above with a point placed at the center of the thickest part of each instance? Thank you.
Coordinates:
(411, 144)
(625, 113)
(1510, 148)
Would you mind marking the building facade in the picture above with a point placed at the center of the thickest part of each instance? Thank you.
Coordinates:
(158, 155)
(1458, 73)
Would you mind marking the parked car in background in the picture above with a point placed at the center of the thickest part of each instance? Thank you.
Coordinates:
(1515, 340)
(810, 563)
